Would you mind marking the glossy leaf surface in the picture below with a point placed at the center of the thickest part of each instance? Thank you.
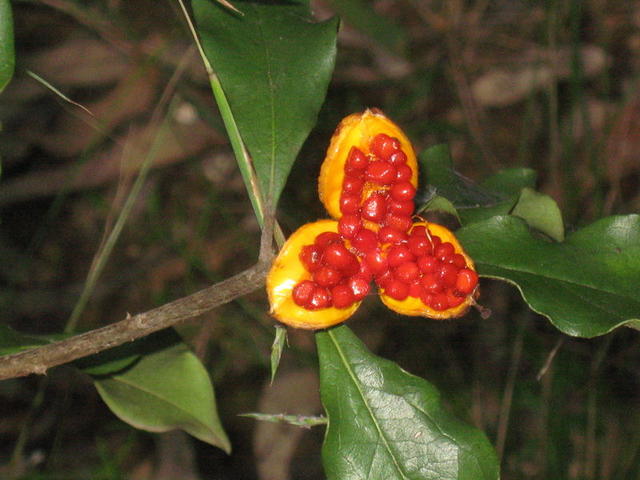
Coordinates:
(586, 285)
(385, 423)
(165, 388)
(274, 63)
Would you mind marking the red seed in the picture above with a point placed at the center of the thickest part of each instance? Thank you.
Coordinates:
(418, 245)
(403, 173)
(374, 207)
(444, 251)
(419, 231)
(398, 254)
(356, 163)
(384, 278)
(384, 146)
(301, 293)
(440, 302)
(359, 286)
(396, 289)
(402, 209)
(448, 274)
(349, 203)
(327, 276)
(415, 289)
(365, 240)
(428, 263)
(407, 272)
(402, 223)
(402, 191)
(377, 262)
(466, 281)
(431, 283)
(453, 300)
(326, 238)
(381, 172)
(398, 158)
(310, 256)
(337, 256)
(458, 260)
(352, 184)
(426, 298)
(320, 298)
(365, 271)
(435, 240)
(349, 225)
(342, 296)
(391, 235)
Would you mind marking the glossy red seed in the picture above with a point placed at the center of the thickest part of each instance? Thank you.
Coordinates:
(377, 262)
(391, 235)
(352, 184)
(398, 254)
(402, 191)
(407, 272)
(384, 146)
(383, 278)
(444, 251)
(418, 245)
(399, 222)
(403, 173)
(365, 240)
(381, 173)
(398, 158)
(396, 289)
(402, 209)
(431, 283)
(415, 289)
(301, 293)
(426, 298)
(310, 256)
(359, 286)
(435, 240)
(374, 208)
(419, 231)
(342, 296)
(448, 274)
(337, 256)
(453, 300)
(356, 163)
(349, 225)
(466, 281)
(365, 271)
(349, 203)
(428, 263)
(320, 298)
(326, 238)
(327, 276)
(458, 260)
(440, 302)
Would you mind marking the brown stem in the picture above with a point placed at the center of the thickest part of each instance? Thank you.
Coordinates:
(39, 360)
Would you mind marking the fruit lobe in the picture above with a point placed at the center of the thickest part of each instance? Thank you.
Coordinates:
(415, 306)
(358, 130)
(288, 271)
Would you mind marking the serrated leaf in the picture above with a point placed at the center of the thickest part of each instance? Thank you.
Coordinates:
(166, 388)
(385, 423)
(7, 53)
(541, 212)
(274, 64)
(586, 285)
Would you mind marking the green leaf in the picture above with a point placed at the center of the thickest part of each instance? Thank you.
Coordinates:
(165, 388)
(279, 342)
(385, 423)
(274, 64)
(7, 53)
(586, 285)
(510, 181)
(12, 341)
(541, 212)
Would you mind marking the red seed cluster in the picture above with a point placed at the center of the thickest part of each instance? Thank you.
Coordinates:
(404, 262)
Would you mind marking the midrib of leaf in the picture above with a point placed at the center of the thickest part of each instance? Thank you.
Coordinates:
(158, 397)
(362, 396)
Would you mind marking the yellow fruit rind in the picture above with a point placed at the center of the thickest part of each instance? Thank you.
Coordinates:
(357, 130)
(412, 306)
(287, 271)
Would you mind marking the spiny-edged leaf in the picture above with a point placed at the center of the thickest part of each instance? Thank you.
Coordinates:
(277, 347)
(586, 285)
(7, 53)
(541, 212)
(166, 388)
(361, 15)
(274, 64)
(385, 423)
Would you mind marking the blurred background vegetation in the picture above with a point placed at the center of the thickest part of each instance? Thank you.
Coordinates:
(551, 85)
